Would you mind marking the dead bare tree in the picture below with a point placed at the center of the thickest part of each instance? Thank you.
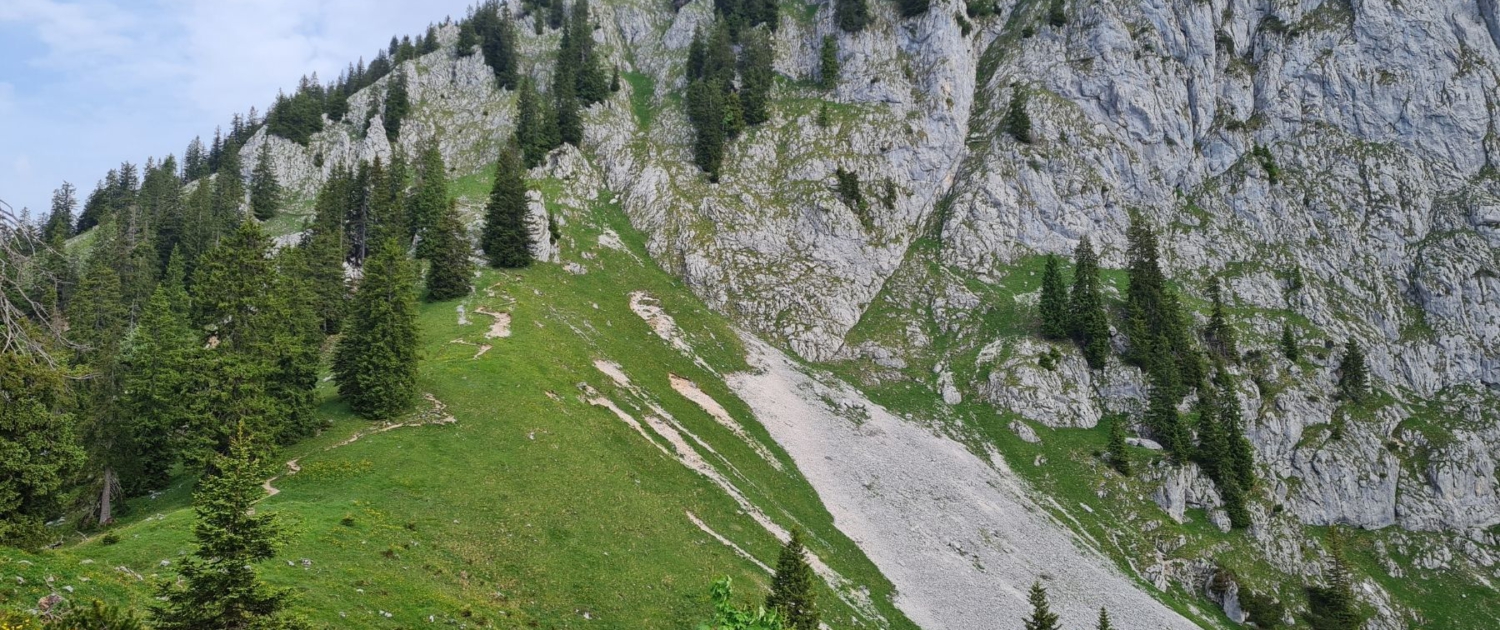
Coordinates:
(23, 318)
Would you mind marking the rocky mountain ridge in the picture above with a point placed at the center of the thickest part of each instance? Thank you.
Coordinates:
(1331, 160)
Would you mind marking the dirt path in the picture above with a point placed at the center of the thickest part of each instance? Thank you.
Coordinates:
(437, 415)
(501, 328)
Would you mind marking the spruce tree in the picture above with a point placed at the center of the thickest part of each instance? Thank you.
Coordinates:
(1042, 617)
(325, 245)
(1017, 121)
(265, 190)
(1104, 623)
(792, 593)
(1087, 323)
(1241, 454)
(397, 106)
(1156, 323)
(467, 40)
(705, 102)
(1353, 378)
(41, 450)
(556, 15)
(757, 77)
(1165, 422)
(1221, 336)
(852, 15)
(499, 47)
(232, 281)
(1213, 444)
(60, 219)
(375, 364)
(506, 238)
(1289, 348)
(1119, 454)
(159, 360)
(1333, 605)
(565, 106)
(828, 63)
(430, 200)
(219, 588)
(451, 272)
(228, 196)
(530, 123)
(1054, 301)
(592, 85)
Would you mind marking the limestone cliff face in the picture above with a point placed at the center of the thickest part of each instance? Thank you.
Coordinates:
(1372, 213)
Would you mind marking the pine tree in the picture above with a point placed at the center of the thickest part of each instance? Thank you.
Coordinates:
(1119, 454)
(265, 190)
(1017, 121)
(1042, 617)
(452, 270)
(1221, 336)
(41, 450)
(1087, 323)
(1054, 302)
(828, 63)
(792, 593)
(397, 106)
(757, 77)
(375, 364)
(1104, 623)
(1353, 377)
(430, 200)
(852, 15)
(1289, 348)
(219, 588)
(506, 238)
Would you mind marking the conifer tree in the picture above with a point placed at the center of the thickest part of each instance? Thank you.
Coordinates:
(1104, 623)
(1289, 348)
(556, 15)
(592, 86)
(852, 15)
(60, 219)
(40, 447)
(565, 105)
(325, 245)
(828, 63)
(375, 364)
(1054, 301)
(530, 123)
(1165, 422)
(219, 588)
(1087, 323)
(232, 281)
(1017, 121)
(614, 79)
(506, 238)
(98, 315)
(265, 190)
(467, 40)
(499, 47)
(397, 106)
(229, 194)
(1042, 617)
(159, 360)
(1219, 333)
(792, 593)
(1119, 454)
(1353, 377)
(431, 198)
(1156, 324)
(450, 274)
(705, 101)
(1241, 454)
(757, 77)
(1213, 444)
(1333, 606)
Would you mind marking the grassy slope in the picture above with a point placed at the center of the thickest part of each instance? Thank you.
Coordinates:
(530, 510)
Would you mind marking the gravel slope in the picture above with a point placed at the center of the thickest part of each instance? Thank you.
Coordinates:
(958, 536)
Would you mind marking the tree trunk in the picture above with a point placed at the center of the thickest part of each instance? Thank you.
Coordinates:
(106, 496)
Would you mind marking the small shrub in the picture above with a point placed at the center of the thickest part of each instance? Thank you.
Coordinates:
(110, 538)
(347, 521)
(1057, 14)
(1261, 609)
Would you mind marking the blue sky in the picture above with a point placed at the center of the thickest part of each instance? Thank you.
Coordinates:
(87, 84)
